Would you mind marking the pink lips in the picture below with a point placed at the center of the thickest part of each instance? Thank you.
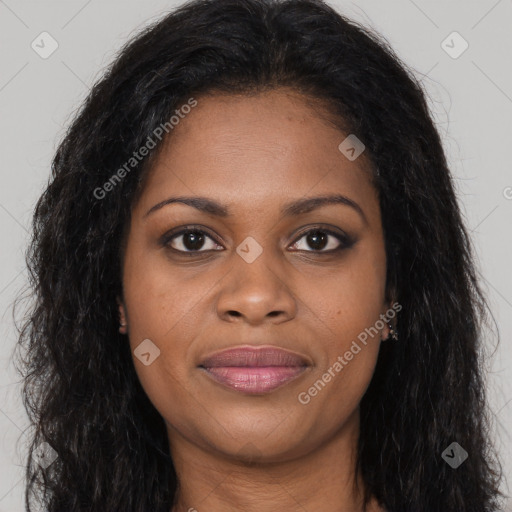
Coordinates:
(254, 370)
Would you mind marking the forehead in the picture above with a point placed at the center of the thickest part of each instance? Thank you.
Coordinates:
(256, 151)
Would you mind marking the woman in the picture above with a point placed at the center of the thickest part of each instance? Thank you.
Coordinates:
(254, 287)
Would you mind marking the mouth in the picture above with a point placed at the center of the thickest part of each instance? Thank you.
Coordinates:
(254, 370)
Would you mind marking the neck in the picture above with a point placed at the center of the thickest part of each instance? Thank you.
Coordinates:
(322, 479)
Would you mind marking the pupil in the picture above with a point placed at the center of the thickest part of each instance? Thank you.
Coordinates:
(193, 240)
(316, 238)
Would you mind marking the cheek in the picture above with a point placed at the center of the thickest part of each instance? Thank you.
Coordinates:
(349, 300)
(159, 309)
(346, 366)
(160, 299)
(347, 308)
(165, 318)
(168, 390)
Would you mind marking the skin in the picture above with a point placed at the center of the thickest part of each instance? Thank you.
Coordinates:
(233, 451)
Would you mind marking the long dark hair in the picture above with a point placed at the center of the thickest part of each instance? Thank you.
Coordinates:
(80, 387)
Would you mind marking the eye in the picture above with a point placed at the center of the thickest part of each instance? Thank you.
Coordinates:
(323, 240)
(190, 240)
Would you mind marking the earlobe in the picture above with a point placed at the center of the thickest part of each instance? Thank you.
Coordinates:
(385, 332)
(385, 320)
(389, 331)
(122, 316)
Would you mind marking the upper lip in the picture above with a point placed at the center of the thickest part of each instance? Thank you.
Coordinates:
(267, 355)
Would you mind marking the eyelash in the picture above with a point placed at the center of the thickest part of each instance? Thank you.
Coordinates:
(345, 241)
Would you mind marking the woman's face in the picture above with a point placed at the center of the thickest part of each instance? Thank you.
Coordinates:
(254, 276)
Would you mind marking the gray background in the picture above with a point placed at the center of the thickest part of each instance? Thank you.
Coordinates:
(470, 96)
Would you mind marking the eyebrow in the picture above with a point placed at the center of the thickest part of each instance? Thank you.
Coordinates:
(293, 208)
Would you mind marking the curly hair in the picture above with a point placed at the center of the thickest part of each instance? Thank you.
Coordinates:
(81, 390)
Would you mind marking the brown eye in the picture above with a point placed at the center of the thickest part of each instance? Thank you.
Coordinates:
(191, 240)
(322, 240)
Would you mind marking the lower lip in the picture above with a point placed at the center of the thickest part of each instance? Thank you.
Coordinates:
(252, 379)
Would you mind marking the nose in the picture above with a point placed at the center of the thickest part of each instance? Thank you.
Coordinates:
(255, 293)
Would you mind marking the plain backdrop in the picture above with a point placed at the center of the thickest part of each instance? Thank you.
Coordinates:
(470, 94)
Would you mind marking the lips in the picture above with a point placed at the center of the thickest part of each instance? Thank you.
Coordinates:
(251, 356)
(254, 370)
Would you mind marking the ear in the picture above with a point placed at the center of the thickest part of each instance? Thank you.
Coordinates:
(123, 323)
(384, 334)
(388, 315)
